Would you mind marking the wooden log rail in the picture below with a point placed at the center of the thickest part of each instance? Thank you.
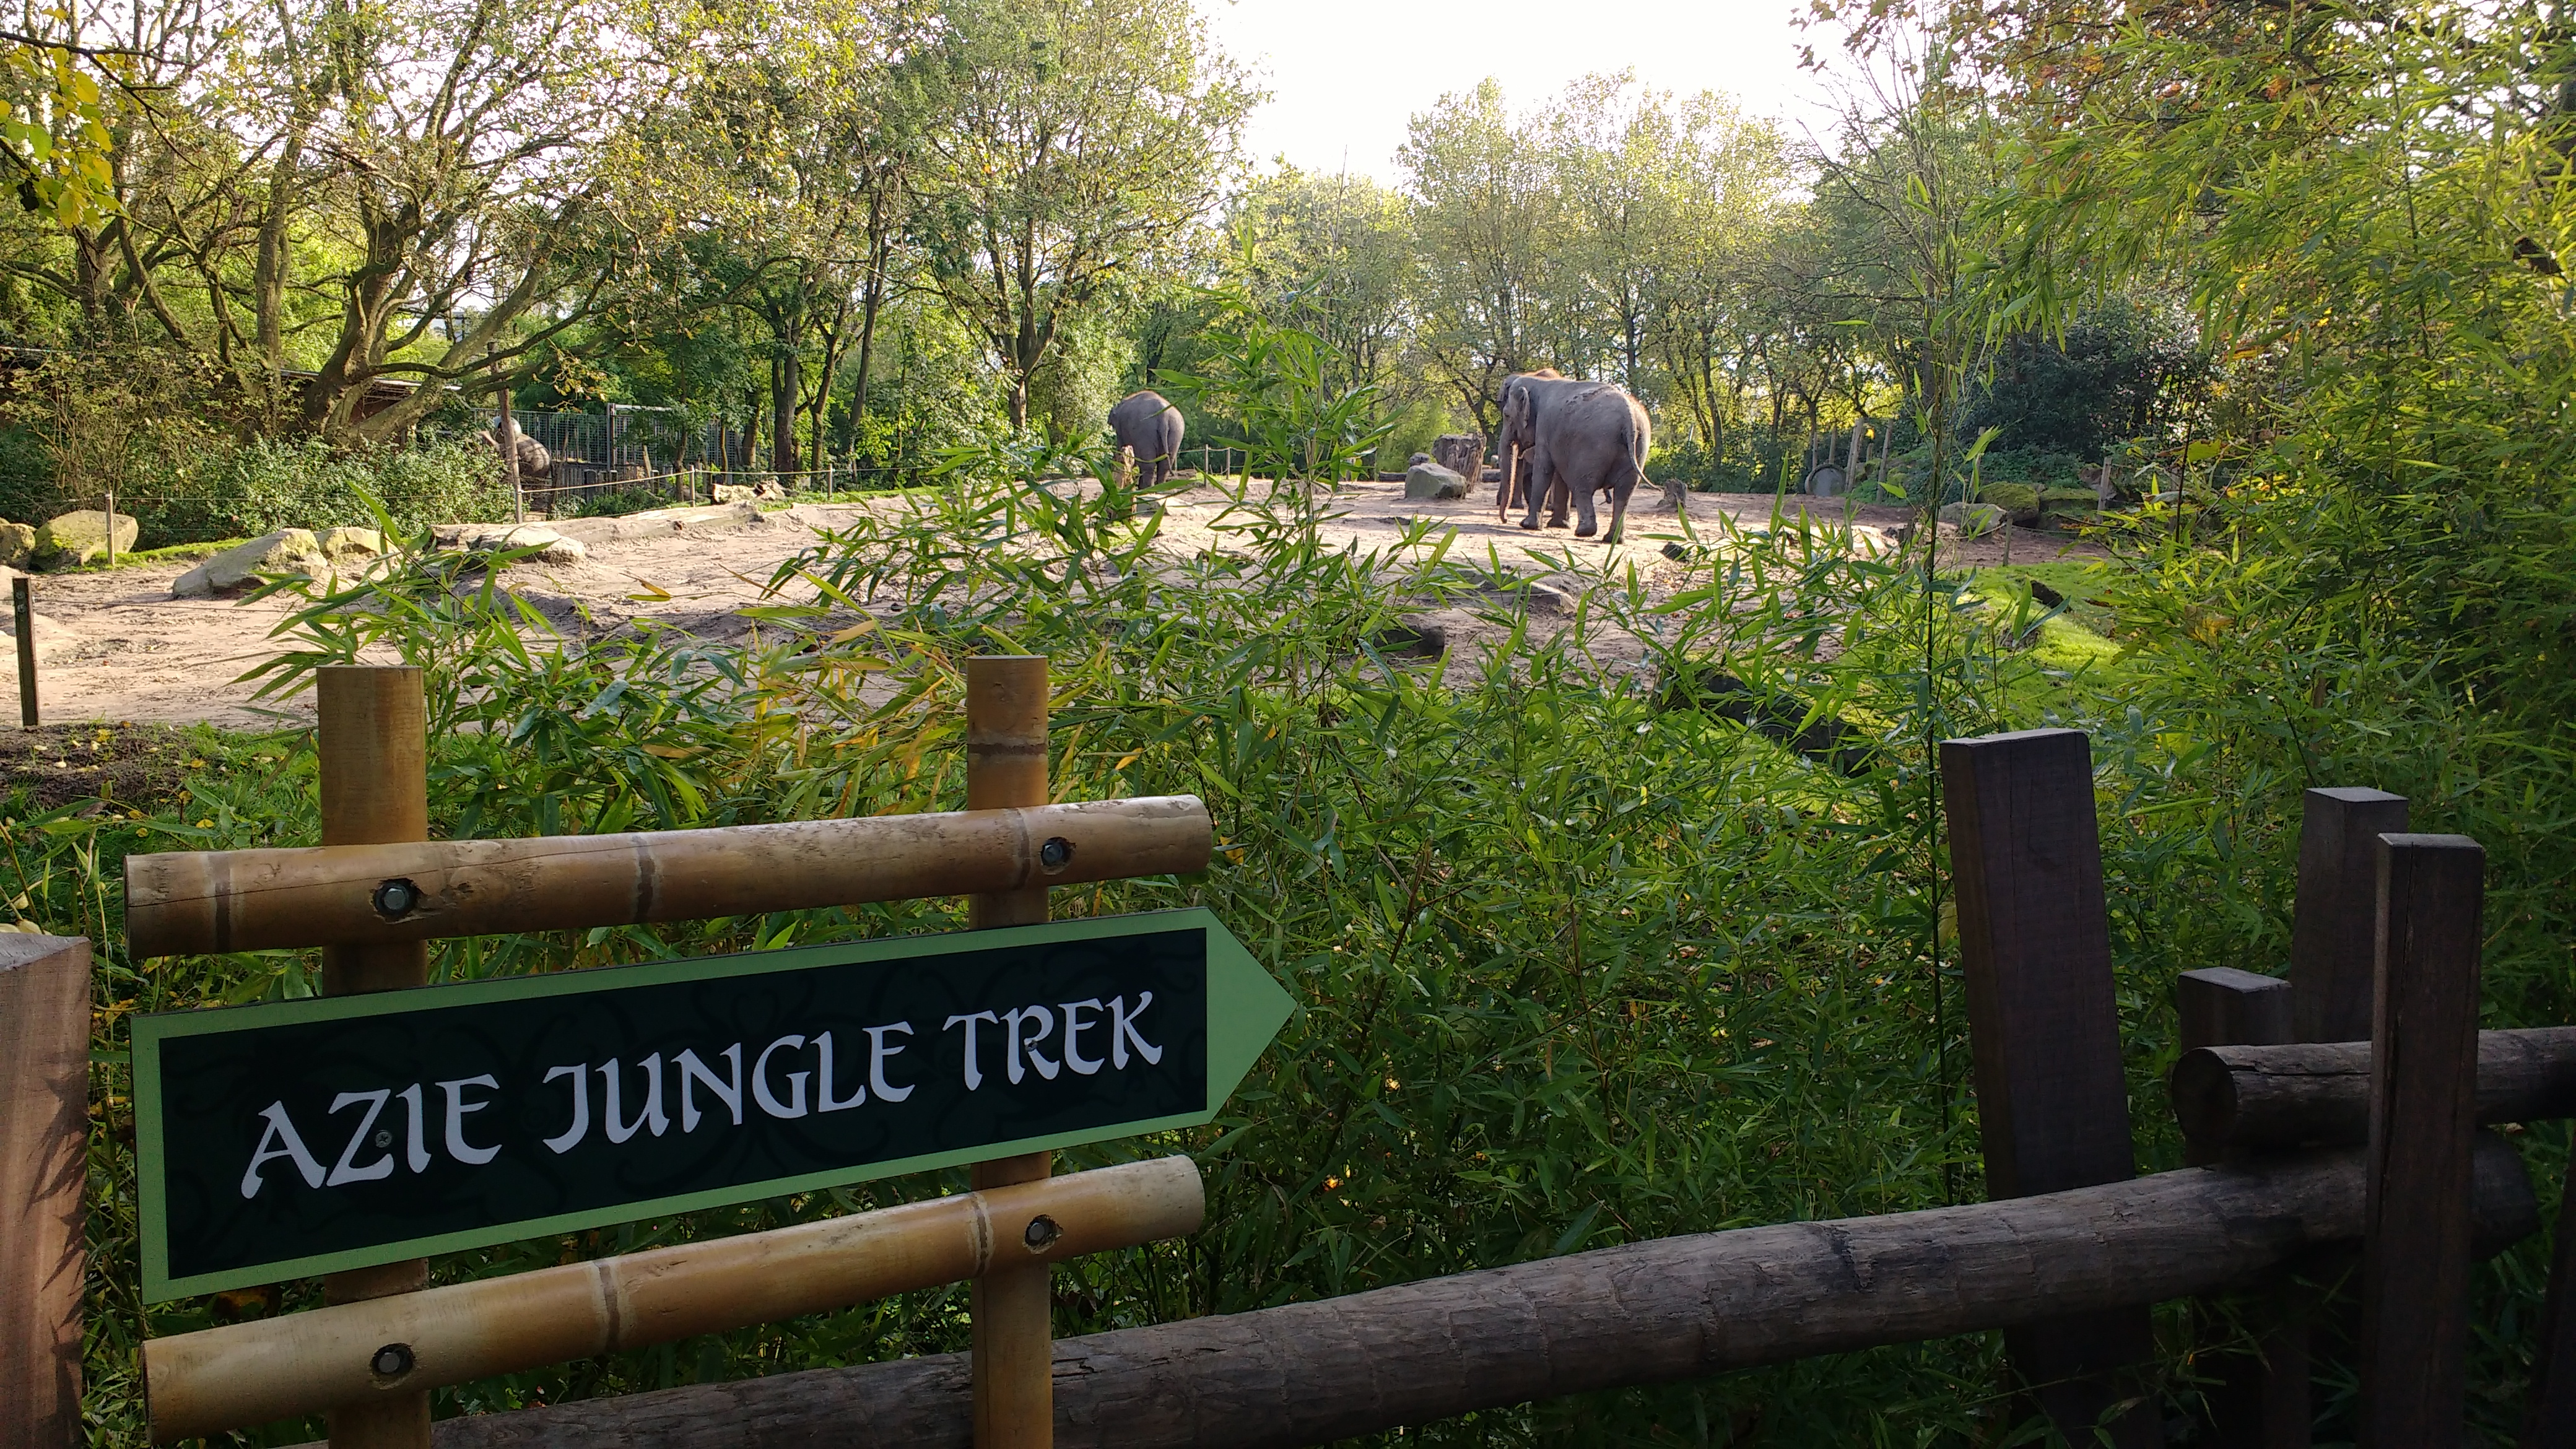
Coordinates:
(252, 900)
(1661, 1311)
(2239, 1098)
(252, 1373)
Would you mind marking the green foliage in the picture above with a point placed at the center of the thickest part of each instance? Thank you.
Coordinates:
(247, 489)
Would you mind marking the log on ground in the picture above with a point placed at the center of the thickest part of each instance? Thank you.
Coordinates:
(2252, 1097)
(1654, 1312)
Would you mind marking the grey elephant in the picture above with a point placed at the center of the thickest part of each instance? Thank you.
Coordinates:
(1151, 426)
(1575, 439)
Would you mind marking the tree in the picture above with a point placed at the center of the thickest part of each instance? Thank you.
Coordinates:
(1074, 144)
(1332, 256)
(1483, 215)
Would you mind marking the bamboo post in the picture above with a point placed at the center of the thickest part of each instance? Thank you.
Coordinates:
(245, 1374)
(44, 1162)
(22, 602)
(2423, 1127)
(373, 743)
(1006, 765)
(2044, 1027)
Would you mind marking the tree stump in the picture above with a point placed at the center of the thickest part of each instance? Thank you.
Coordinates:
(1460, 453)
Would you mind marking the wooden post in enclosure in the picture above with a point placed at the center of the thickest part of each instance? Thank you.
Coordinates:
(2052, 1102)
(2260, 1400)
(2331, 950)
(44, 1164)
(23, 605)
(372, 740)
(2551, 1418)
(1006, 765)
(2423, 1125)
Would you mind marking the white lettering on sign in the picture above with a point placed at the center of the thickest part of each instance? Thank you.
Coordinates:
(1026, 1028)
(776, 1085)
(280, 1130)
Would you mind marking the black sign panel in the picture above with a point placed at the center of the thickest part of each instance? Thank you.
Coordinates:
(310, 1136)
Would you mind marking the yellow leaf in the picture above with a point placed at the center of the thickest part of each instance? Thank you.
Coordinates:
(669, 752)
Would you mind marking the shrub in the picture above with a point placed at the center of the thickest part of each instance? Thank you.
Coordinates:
(246, 489)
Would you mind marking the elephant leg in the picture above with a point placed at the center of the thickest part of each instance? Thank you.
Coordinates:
(1535, 488)
(1590, 523)
(1557, 490)
(1619, 512)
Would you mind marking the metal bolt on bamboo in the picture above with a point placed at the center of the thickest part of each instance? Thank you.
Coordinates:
(1006, 766)
(372, 739)
(253, 1373)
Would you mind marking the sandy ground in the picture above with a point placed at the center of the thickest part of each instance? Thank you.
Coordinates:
(114, 645)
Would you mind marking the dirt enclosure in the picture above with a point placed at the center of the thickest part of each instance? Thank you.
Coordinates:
(115, 646)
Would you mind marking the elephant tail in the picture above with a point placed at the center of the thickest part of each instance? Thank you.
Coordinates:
(1640, 442)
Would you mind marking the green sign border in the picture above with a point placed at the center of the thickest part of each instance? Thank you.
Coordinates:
(1245, 1009)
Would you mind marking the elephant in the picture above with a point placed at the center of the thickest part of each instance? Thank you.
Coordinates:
(1577, 439)
(1146, 423)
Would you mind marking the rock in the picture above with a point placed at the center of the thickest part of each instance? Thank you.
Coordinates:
(1676, 498)
(768, 492)
(17, 545)
(1417, 458)
(288, 550)
(1972, 520)
(1417, 638)
(2019, 501)
(1431, 481)
(2048, 598)
(551, 547)
(77, 538)
(1460, 453)
(1676, 551)
(1826, 480)
(356, 543)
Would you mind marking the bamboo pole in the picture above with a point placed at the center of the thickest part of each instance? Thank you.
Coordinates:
(1006, 767)
(374, 756)
(251, 1373)
(248, 900)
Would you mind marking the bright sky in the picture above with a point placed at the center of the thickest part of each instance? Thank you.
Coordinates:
(1346, 76)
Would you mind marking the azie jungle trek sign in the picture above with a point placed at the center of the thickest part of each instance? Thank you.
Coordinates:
(301, 1137)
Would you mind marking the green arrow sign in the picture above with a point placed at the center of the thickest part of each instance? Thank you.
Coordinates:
(304, 1137)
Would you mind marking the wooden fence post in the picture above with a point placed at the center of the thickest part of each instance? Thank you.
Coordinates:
(44, 1164)
(22, 605)
(2259, 1400)
(2043, 1016)
(2423, 1122)
(2331, 951)
(373, 742)
(2550, 1419)
(1006, 765)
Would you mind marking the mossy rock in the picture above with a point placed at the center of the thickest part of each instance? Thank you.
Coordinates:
(2017, 499)
(2067, 495)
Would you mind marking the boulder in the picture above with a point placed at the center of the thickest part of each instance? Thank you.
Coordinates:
(17, 545)
(2020, 501)
(1431, 481)
(78, 538)
(351, 543)
(1460, 453)
(1676, 498)
(1972, 520)
(288, 550)
(551, 547)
